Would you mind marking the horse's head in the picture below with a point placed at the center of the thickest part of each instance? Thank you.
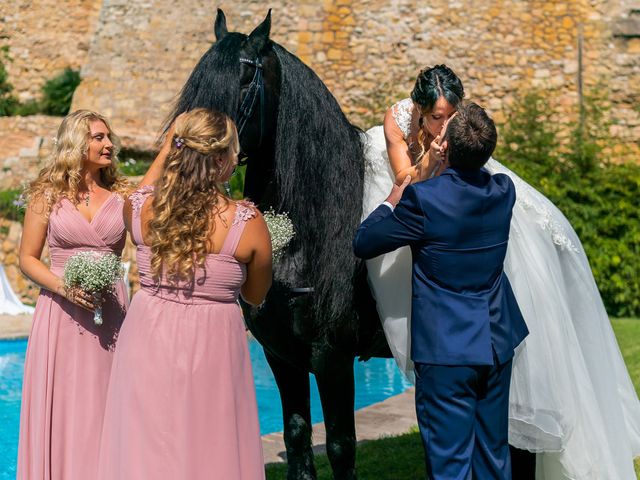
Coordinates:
(240, 76)
(259, 83)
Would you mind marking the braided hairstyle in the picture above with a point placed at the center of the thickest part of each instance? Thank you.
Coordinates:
(186, 195)
(431, 84)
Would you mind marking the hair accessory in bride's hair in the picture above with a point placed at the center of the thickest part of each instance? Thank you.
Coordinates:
(179, 142)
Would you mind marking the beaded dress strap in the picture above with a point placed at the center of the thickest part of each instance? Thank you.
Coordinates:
(245, 210)
(137, 199)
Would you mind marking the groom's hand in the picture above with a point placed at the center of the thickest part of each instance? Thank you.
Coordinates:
(397, 190)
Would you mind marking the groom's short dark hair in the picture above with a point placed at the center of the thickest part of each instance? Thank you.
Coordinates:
(471, 137)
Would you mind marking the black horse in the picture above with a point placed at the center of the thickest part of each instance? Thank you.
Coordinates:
(306, 159)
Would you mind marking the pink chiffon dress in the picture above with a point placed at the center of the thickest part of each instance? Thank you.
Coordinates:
(69, 357)
(181, 401)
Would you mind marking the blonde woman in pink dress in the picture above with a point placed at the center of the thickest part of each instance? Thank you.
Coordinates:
(181, 402)
(74, 205)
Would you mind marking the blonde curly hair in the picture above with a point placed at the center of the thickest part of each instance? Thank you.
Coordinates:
(186, 196)
(61, 176)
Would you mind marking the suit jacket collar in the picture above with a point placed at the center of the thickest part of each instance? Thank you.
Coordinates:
(467, 175)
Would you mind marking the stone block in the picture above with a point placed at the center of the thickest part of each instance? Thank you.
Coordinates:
(633, 47)
(627, 27)
(304, 37)
(328, 37)
(8, 246)
(11, 258)
(568, 23)
(334, 54)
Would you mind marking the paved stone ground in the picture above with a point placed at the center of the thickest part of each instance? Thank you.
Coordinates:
(394, 416)
(15, 326)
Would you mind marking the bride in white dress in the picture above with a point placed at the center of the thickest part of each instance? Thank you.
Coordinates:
(572, 400)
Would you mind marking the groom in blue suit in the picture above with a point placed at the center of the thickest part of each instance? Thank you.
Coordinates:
(465, 322)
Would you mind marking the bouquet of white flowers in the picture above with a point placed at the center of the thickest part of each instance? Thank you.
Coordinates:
(95, 273)
(281, 231)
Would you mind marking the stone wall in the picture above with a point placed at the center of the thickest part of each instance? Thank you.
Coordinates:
(44, 38)
(369, 51)
(25, 144)
(10, 233)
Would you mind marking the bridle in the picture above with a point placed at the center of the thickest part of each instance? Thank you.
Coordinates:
(255, 91)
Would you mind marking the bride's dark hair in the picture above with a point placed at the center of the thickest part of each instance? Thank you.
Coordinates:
(435, 82)
(431, 84)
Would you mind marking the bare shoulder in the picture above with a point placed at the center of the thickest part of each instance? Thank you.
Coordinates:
(392, 131)
(255, 236)
(38, 208)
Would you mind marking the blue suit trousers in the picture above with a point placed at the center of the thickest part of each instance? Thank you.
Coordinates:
(463, 419)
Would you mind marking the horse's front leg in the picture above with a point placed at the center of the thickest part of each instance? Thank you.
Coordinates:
(293, 385)
(334, 373)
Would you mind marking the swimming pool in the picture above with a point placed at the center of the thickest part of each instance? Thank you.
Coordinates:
(376, 380)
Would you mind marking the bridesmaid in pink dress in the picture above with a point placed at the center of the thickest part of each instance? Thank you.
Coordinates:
(181, 401)
(75, 205)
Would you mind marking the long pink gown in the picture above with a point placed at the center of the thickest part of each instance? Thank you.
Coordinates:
(68, 362)
(181, 401)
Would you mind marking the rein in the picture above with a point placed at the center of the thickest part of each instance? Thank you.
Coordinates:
(255, 91)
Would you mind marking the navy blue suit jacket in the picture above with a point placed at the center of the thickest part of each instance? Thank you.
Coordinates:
(457, 225)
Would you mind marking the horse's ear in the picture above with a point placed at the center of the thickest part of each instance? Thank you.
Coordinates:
(260, 35)
(220, 26)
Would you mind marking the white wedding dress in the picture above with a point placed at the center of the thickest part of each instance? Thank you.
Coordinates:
(571, 400)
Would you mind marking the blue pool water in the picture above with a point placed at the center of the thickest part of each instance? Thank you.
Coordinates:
(376, 380)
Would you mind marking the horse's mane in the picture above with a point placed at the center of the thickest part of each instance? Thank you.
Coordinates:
(319, 168)
(215, 92)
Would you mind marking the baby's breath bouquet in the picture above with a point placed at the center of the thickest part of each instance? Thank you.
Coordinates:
(95, 273)
(281, 231)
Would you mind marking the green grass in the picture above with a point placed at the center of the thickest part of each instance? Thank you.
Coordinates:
(385, 459)
(628, 335)
(402, 457)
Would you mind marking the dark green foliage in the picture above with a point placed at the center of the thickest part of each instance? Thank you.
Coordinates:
(134, 163)
(600, 199)
(133, 168)
(587, 133)
(530, 134)
(57, 93)
(10, 205)
(7, 101)
(237, 183)
(30, 107)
